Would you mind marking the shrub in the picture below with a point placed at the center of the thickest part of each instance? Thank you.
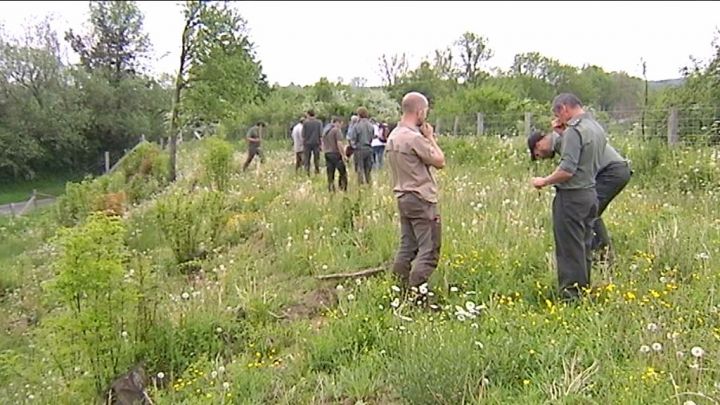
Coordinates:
(191, 223)
(217, 162)
(86, 333)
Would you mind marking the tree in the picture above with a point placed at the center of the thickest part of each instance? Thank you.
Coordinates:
(392, 68)
(191, 12)
(40, 119)
(116, 43)
(444, 64)
(225, 74)
(218, 72)
(473, 52)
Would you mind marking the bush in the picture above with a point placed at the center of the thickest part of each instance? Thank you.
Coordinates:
(145, 171)
(86, 334)
(217, 161)
(191, 223)
(83, 198)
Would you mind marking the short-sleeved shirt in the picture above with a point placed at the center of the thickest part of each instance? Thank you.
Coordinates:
(312, 131)
(330, 141)
(611, 155)
(254, 133)
(583, 147)
(408, 153)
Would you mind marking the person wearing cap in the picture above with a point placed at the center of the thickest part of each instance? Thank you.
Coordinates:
(613, 175)
(411, 151)
(254, 138)
(575, 205)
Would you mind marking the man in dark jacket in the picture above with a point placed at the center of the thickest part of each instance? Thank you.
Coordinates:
(311, 135)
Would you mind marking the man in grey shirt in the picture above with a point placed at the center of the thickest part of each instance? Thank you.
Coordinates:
(613, 175)
(361, 136)
(575, 205)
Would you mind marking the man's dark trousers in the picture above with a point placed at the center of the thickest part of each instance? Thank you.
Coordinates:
(574, 213)
(420, 240)
(609, 182)
(364, 164)
(333, 161)
(315, 151)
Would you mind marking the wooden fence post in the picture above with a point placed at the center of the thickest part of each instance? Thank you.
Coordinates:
(528, 123)
(480, 124)
(455, 125)
(34, 199)
(107, 161)
(673, 135)
(12, 209)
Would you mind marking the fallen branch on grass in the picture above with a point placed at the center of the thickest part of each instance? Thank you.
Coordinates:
(362, 273)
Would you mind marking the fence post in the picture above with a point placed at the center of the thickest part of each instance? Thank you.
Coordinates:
(437, 127)
(107, 161)
(12, 209)
(528, 123)
(480, 124)
(34, 198)
(455, 125)
(673, 135)
(142, 138)
(162, 143)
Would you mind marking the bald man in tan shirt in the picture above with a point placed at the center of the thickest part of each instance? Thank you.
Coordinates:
(411, 151)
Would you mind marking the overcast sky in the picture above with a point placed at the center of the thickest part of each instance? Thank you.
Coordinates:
(302, 41)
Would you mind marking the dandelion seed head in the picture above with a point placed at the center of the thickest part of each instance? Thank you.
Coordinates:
(644, 349)
(652, 327)
(657, 347)
(697, 352)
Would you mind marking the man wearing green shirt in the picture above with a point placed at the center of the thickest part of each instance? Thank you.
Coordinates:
(613, 175)
(575, 205)
(254, 138)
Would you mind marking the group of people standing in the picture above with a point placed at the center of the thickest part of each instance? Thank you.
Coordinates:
(365, 145)
(590, 174)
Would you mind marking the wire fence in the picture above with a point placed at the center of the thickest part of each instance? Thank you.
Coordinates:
(689, 125)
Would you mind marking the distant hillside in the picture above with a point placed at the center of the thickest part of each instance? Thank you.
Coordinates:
(659, 84)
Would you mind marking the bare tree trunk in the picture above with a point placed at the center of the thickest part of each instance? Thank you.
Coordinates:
(179, 84)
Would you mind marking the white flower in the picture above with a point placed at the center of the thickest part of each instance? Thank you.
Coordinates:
(694, 366)
(185, 296)
(226, 385)
(305, 237)
(358, 281)
(350, 297)
(423, 288)
(479, 344)
(324, 267)
(395, 288)
(160, 375)
(454, 289)
(689, 402)
(218, 330)
(652, 327)
(213, 374)
(644, 349)
(697, 351)
(460, 317)
(395, 303)
(339, 287)
(657, 347)
(221, 369)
